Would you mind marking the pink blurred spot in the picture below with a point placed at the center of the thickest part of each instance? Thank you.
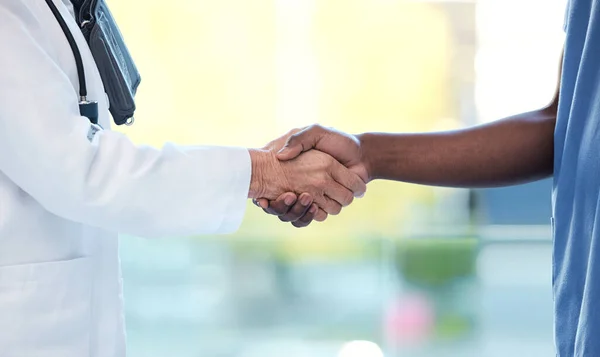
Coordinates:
(410, 319)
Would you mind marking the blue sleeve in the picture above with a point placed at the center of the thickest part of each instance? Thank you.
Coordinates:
(567, 15)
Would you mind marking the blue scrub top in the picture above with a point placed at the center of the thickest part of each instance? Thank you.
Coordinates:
(576, 189)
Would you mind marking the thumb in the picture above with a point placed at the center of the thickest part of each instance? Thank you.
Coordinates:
(290, 150)
(304, 140)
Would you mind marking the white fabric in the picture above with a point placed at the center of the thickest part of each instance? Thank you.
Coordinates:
(63, 198)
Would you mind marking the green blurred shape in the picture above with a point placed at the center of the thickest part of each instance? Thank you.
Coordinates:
(434, 262)
(452, 326)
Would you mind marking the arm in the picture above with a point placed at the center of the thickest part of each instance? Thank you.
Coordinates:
(509, 151)
(514, 150)
(112, 184)
(109, 183)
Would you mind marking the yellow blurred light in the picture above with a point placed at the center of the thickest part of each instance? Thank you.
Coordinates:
(241, 73)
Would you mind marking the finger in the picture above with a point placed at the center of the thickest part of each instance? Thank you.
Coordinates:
(261, 202)
(320, 216)
(303, 140)
(348, 179)
(282, 204)
(329, 205)
(338, 193)
(299, 209)
(305, 220)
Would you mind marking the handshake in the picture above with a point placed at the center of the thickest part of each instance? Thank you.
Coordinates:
(308, 174)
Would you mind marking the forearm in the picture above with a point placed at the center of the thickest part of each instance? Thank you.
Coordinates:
(514, 150)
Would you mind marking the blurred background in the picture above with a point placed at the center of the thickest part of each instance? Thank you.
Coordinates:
(406, 271)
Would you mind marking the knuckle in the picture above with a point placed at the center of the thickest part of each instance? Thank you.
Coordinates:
(293, 131)
(316, 128)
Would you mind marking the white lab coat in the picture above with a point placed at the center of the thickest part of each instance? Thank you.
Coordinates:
(63, 198)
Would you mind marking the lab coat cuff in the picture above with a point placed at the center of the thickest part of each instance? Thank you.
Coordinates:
(237, 199)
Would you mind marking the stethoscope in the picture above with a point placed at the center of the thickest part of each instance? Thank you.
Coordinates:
(88, 109)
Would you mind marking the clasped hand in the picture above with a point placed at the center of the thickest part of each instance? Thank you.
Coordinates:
(308, 174)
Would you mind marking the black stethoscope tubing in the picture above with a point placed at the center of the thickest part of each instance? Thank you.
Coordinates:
(74, 48)
(88, 109)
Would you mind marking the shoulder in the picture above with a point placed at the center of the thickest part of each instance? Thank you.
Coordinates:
(20, 16)
(28, 27)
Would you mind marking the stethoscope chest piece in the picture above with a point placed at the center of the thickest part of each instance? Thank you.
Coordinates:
(89, 110)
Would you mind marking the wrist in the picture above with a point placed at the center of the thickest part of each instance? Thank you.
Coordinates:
(367, 154)
(257, 184)
(262, 183)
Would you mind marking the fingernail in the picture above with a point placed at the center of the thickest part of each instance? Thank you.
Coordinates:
(289, 200)
(305, 201)
(313, 210)
(361, 195)
(283, 149)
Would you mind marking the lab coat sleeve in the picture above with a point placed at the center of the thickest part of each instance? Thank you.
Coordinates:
(109, 182)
